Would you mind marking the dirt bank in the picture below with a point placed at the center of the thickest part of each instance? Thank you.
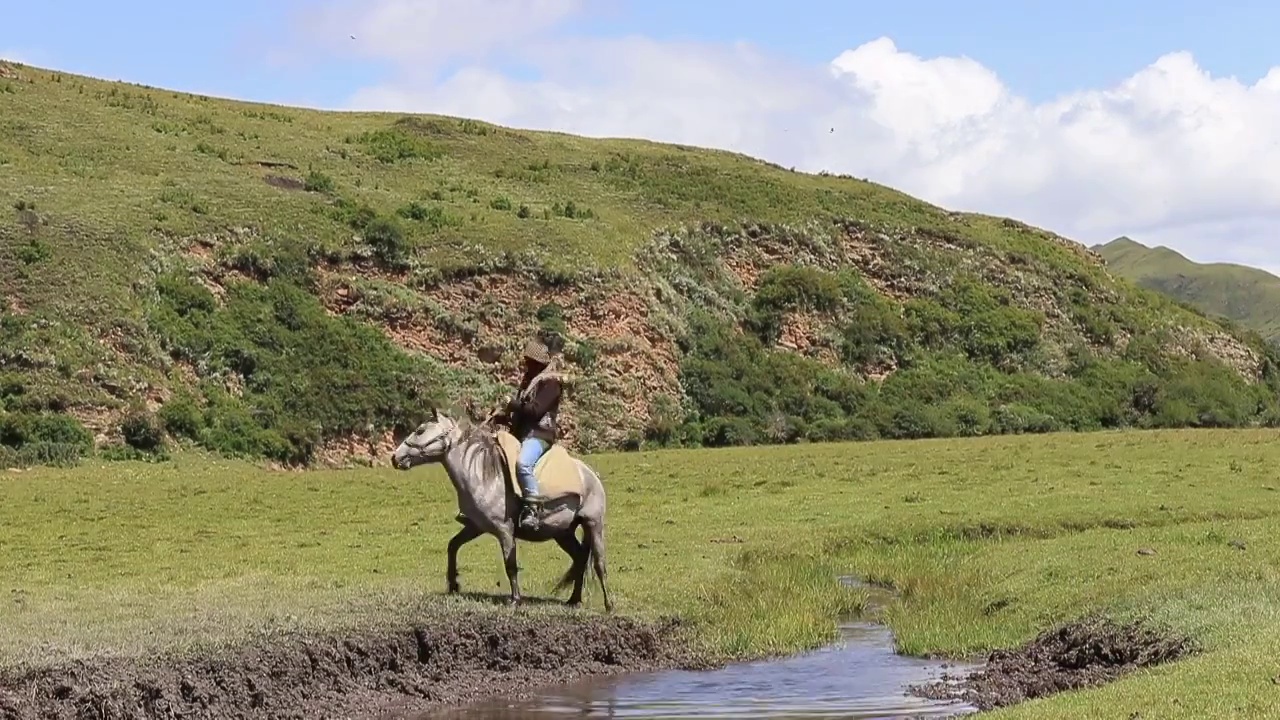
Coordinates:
(1077, 655)
(460, 657)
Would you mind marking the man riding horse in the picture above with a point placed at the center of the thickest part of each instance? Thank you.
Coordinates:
(531, 415)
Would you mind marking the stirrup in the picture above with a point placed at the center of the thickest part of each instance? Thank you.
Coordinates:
(530, 514)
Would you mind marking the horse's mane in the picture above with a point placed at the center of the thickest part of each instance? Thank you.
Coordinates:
(480, 449)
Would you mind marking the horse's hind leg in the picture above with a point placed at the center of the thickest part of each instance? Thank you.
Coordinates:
(595, 541)
(578, 552)
(464, 536)
(507, 541)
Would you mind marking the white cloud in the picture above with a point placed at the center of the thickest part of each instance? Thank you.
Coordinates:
(1170, 155)
(427, 33)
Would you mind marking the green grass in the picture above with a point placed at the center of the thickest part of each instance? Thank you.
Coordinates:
(747, 542)
(1243, 294)
(139, 161)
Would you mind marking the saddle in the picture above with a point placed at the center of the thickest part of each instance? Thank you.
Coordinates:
(556, 472)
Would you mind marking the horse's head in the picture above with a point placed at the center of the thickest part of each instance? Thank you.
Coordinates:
(428, 443)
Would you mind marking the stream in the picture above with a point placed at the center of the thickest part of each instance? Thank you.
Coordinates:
(857, 677)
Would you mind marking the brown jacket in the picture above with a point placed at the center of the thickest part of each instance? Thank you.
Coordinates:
(535, 406)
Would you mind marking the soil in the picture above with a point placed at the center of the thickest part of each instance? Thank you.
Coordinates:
(286, 183)
(460, 657)
(1078, 655)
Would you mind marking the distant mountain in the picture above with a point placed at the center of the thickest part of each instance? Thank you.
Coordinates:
(1246, 295)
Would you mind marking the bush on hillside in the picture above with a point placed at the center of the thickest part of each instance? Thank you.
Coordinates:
(384, 234)
(874, 332)
(142, 430)
(302, 376)
(787, 288)
(744, 392)
(319, 182)
(28, 439)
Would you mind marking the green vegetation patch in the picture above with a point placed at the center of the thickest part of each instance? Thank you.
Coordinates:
(292, 375)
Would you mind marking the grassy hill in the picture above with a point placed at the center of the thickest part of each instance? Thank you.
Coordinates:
(1243, 294)
(296, 285)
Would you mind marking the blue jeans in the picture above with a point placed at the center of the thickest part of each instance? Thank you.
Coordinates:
(530, 450)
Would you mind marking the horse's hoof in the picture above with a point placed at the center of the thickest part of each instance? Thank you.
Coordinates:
(454, 589)
(573, 604)
(513, 602)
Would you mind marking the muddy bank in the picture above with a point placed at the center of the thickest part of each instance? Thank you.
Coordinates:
(459, 657)
(1077, 655)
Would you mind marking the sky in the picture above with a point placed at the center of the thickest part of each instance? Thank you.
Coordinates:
(1159, 121)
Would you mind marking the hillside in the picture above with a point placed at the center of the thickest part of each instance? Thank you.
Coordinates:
(1243, 294)
(287, 284)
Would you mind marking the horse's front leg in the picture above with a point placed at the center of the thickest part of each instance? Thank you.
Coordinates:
(464, 536)
(507, 541)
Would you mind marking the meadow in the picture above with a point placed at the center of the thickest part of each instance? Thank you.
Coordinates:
(987, 541)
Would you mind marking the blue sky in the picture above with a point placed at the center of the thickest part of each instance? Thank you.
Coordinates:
(1039, 48)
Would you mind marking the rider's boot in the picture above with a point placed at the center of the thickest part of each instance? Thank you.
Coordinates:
(529, 510)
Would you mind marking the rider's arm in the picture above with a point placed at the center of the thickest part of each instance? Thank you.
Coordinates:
(542, 400)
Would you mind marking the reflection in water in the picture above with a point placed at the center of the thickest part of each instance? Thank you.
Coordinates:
(858, 677)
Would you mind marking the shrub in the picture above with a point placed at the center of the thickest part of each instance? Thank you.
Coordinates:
(353, 214)
(786, 288)
(961, 377)
(874, 331)
(317, 181)
(744, 393)
(121, 452)
(142, 430)
(789, 287)
(388, 241)
(551, 320)
(583, 354)
(18, 430)
(36, 454)
(570, 210)
(433, 217)
(306, 376)
(391, 146)
(182, 417)
(989, 327)
(28, 439)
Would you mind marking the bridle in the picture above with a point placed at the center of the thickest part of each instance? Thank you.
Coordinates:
(439, 438)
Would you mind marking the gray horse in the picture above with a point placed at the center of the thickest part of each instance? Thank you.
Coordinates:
(475, 464)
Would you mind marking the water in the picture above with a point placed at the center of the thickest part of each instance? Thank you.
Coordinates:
(857, 678)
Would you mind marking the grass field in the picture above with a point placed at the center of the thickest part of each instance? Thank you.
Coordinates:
(988, 540)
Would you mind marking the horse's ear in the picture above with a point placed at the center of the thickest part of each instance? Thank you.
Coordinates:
(435, 415)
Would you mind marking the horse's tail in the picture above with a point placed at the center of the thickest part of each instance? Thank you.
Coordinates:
(570, 575)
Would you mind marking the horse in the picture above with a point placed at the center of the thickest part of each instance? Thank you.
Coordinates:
(480, 462)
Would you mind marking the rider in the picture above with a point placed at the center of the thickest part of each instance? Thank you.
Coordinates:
(531, 414)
